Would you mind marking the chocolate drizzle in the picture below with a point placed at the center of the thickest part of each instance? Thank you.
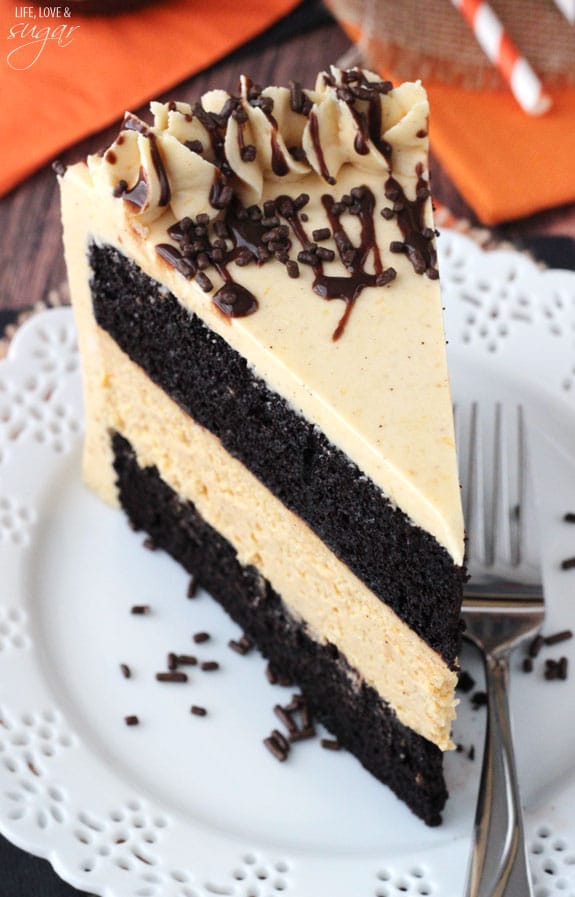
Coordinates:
(235, 301)
(255, 235)
(353, 258)
(318, 149)
(138, 193)
(417, 243)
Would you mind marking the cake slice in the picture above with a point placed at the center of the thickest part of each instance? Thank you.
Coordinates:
(256, 293)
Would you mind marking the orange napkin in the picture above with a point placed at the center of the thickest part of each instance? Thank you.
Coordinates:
(55, 93)
(505, 163)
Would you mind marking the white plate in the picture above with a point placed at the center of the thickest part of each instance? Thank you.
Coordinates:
(184, 806)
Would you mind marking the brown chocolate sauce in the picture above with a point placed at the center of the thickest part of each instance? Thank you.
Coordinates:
(280, 166)
(314, 134)
(353, 258)
(138, 194)
(234, 301)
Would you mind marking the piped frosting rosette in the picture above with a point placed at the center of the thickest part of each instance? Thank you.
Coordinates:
(194, 159)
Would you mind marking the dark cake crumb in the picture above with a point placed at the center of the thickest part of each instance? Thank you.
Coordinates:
(465, 682)
(527, 665)
(569, 517)
(479, 699)
(149, 544)
(471, 752)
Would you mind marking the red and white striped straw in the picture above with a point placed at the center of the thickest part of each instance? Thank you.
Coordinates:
(500, 49)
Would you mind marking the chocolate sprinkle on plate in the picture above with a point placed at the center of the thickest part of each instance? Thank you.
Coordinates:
(330, 744)
(187, 660)
(200, 637)
(569, 517)
(172, 676)
(536, 645)
(132, 720)
(140, 610)
(192, 588)
(208, 665)
(568, 563)
(557, 637)
(126, 671)
(242, 645)
(197, 710)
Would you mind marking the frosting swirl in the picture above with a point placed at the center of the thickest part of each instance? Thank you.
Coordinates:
(194, 159)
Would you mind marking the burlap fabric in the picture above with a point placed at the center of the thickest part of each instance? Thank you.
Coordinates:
(430, 39)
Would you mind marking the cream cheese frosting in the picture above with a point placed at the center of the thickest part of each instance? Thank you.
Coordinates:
(355, 149)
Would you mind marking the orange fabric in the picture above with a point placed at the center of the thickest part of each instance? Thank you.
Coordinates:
(84, 80)
(505, 163)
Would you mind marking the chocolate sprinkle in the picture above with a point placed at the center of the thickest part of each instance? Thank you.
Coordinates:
(242, 645)
(140, 609)
(208, 665)
(187, 660)
(200, 637)
(126, 671)
(527, 665)
(535, 646)
(192, 588)
(557, 637)
(276, 747)
(197, 710)
(330, 744)
(568, 563)
(172, 676)
(132, 720)
(569, 517)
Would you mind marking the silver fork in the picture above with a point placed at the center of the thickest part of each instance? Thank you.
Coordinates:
(503, 606)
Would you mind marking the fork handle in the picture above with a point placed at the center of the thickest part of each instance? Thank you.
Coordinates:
(498, 865)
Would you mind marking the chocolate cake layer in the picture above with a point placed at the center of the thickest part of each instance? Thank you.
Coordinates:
(409, 764)
(399, 562)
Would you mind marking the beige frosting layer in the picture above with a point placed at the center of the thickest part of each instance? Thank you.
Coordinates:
(314, 585)
(381, 392)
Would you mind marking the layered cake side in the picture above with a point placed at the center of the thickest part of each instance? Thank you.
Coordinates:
(256, 294)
